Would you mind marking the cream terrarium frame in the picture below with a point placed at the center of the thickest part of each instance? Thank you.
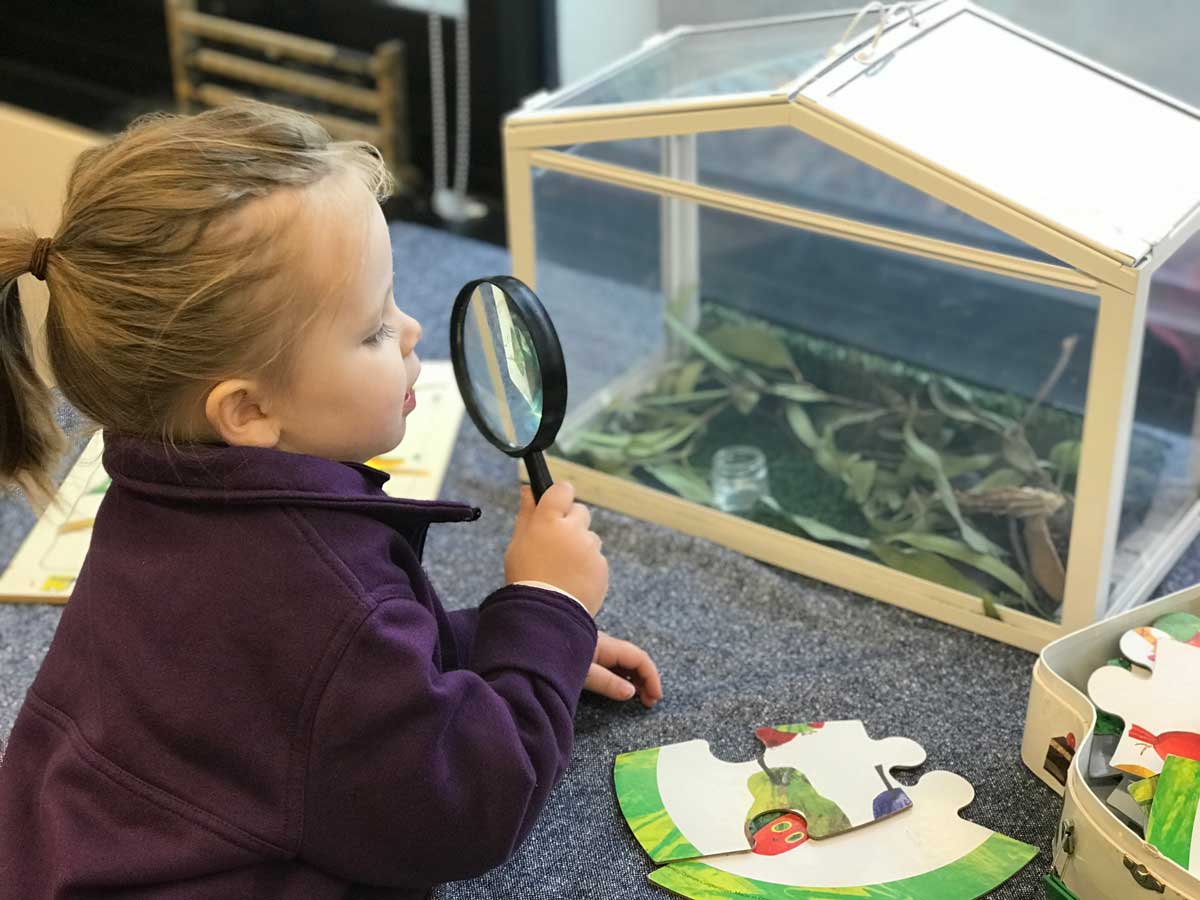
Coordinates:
(1098, 257)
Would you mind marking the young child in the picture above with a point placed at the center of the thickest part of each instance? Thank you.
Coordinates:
(254, 692)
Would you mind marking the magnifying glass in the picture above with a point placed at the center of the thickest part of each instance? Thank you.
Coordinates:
(509, 367)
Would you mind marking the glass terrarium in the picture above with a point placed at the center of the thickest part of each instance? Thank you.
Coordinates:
(910, 305)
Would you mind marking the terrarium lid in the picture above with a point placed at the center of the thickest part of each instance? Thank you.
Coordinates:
(1057, 134)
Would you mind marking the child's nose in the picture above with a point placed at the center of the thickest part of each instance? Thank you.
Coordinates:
(410, 335)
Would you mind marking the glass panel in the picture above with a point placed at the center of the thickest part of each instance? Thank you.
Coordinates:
(1163, 479)
(788, 166)
(728, 61)
(910, 412)
(1030, 124)
(600, 282)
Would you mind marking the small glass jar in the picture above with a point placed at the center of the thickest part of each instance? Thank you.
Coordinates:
(739, 478)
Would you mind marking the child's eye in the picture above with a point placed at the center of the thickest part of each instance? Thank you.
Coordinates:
(385, 331)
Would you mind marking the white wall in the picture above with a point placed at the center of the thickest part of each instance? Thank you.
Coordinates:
(592, 33)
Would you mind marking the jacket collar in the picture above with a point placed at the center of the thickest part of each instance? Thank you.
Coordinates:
(219, 473)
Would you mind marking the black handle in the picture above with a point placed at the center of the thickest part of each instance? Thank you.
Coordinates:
(539, 474)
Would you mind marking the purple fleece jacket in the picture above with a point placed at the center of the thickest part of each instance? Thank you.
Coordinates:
(255, 694)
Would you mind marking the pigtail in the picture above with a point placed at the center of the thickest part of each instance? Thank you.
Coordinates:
(30, 439)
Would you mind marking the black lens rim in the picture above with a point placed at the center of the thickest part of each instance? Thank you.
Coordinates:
(553, 369)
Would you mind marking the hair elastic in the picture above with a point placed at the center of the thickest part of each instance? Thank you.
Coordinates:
(37, 261)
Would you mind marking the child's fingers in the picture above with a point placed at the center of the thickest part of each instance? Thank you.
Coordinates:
(558, 499)
(608, 684)
(525, 510)
(650, 688)
(618, 654)
(580, 515)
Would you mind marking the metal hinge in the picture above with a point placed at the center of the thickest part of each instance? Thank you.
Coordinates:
(1143, 877)
(1066, 836)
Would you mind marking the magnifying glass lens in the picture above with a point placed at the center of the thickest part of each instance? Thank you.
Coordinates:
(509, 367)
(502, 367)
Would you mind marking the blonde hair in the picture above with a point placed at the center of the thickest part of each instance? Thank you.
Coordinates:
(152, 296)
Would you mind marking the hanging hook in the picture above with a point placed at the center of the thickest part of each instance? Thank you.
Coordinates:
(886, 15)
(898, 8)
(873, 6)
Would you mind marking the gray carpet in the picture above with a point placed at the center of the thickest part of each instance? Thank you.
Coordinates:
(739, 644)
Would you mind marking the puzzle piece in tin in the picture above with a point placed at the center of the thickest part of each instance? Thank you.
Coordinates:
(1161, 714)
(1139, 645)
(1180, 625)
(1174, 826)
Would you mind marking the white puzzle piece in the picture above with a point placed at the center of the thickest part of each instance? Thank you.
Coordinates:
(928, 853)
(1161, 713)
(1140, 645)
(683, 802)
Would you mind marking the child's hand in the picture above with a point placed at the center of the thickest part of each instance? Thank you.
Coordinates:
(620, 669)
(551, 543)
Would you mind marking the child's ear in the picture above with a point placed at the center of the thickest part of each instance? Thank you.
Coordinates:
(237, 411)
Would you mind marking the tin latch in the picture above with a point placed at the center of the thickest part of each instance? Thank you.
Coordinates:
(1143, 877)
(1066, 836)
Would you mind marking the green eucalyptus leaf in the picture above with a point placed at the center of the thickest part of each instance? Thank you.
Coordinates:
(932, 567)
(889, 498)
(689, 377)
(895, 479)
(683, 481)
(988, 419)
(1018, 454)
(600, 439)
(955, 466)
(928, 457)
(798, 393)
(948, 409)
(647, 439)
(969, 414)
(1064, 456)
(802, 426)
(818, 530)
(854, 417)
(744, 400)
(752, 344)
(883, 524)
(684, 399)
(652, 443)
(859, 475)
(957, 550)
(701, 346)
(607, 459)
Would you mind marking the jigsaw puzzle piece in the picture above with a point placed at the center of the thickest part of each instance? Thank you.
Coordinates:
(1139, 645)
(1182, 626)
(837, 759)
(1160, 712)
(1174, 826)
(928, 852)
(813, 780)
